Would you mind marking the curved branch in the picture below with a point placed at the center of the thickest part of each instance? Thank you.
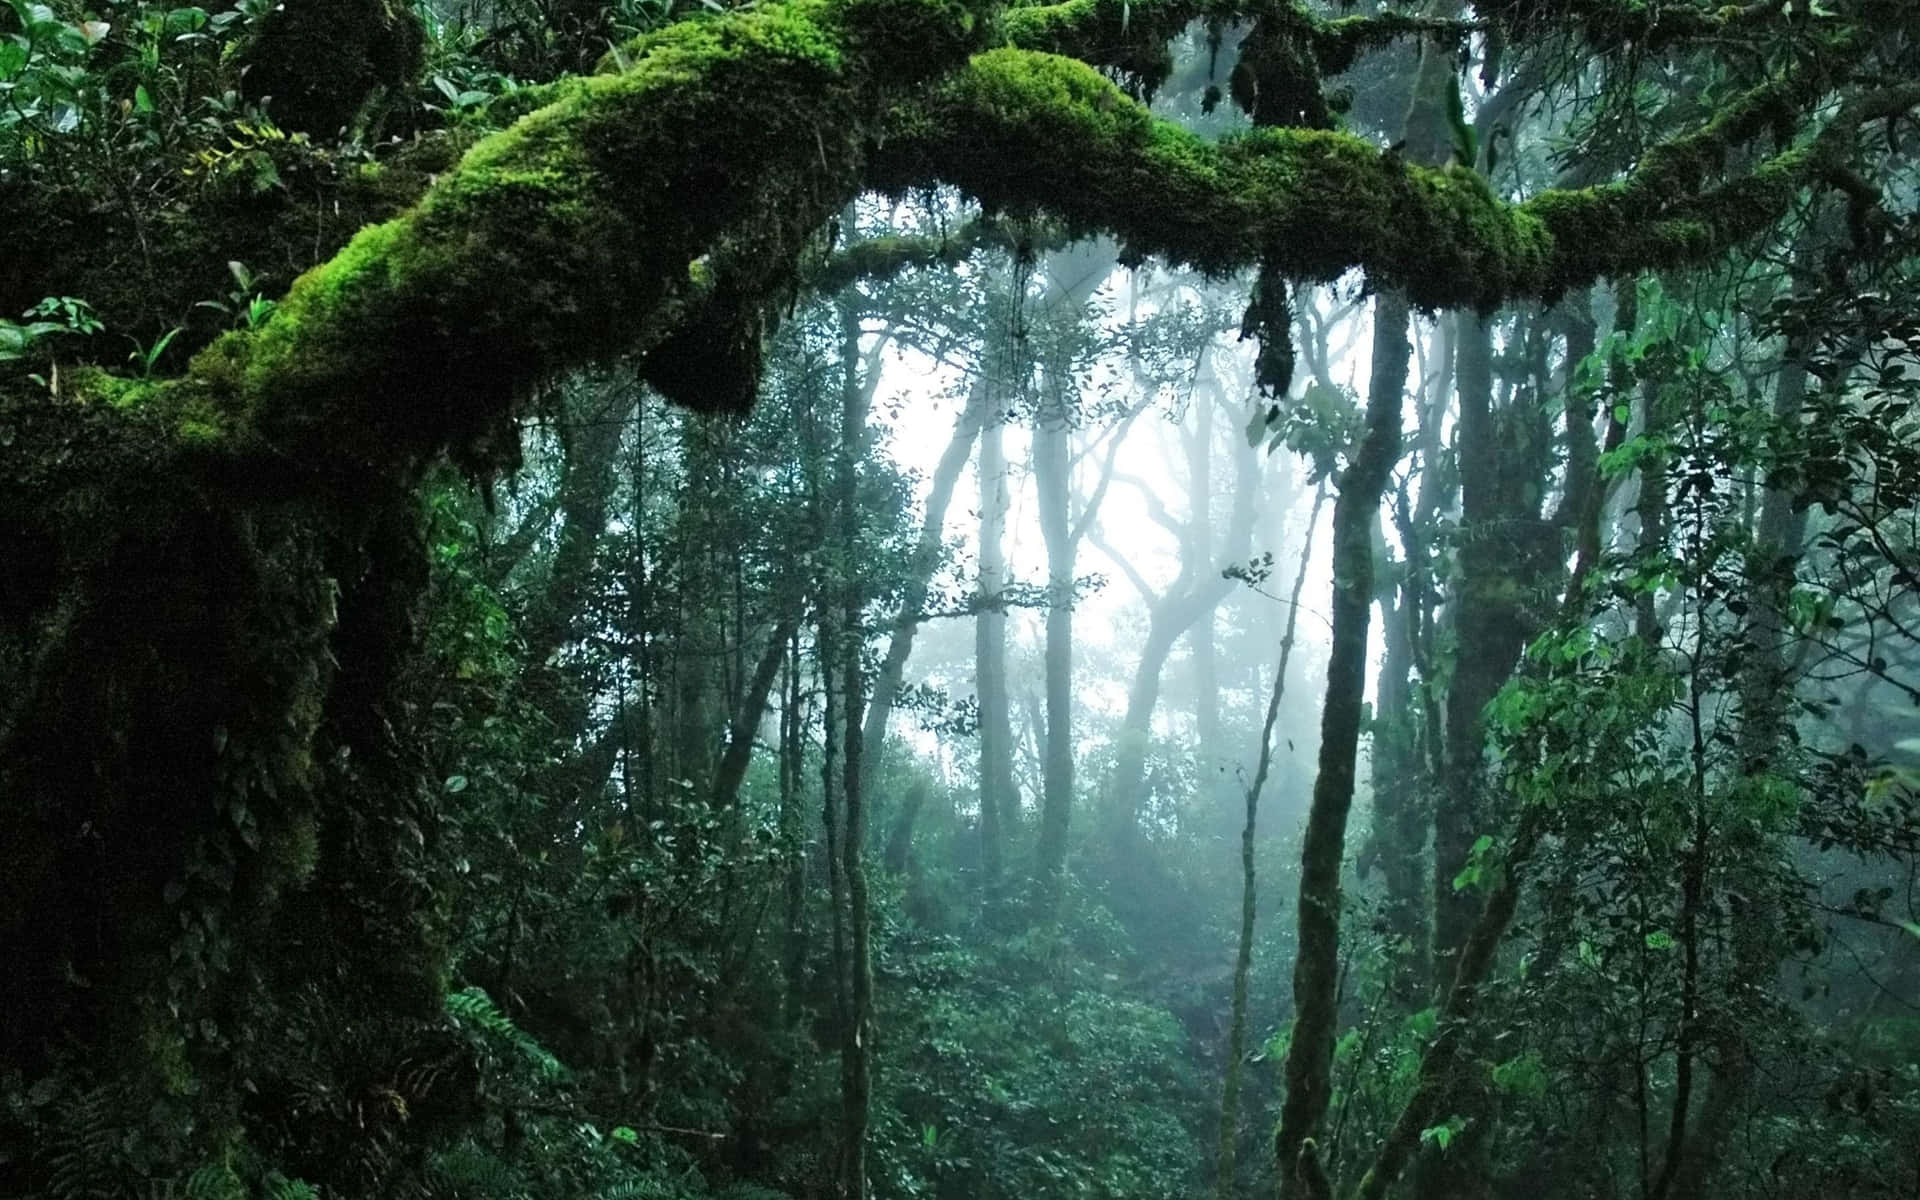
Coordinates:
(1027, 130)
(688, 184)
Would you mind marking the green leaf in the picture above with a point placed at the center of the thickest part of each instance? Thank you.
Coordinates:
(456, 784)
(1525, 1074)
(185, 20)
(1659, 939)
(142, 100)
(13, 56)
(624, 1133)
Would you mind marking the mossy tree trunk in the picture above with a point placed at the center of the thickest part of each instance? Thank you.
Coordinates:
(1309, 1063)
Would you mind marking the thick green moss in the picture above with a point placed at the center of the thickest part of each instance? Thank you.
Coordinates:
(1034, 130)
(407, 341)
(1021, 128)
(1131, 38)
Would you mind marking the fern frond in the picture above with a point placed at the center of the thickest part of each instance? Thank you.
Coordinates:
(473, 1009)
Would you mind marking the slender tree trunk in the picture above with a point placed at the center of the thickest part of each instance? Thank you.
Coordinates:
(699, 650)
(1482, 622)
(1766, 690)
(1206, 670)
(1407, 731)
(636, 736)
(998, 797)
(1243, 956)
(1651, 507)
(856, 1063)
(832, 781)
(1050, 475)
(856, 1054)
(1136, 725)
(1399, 843)
(793, 837)
(1072, 277)
(752, 710)
(1316, 965)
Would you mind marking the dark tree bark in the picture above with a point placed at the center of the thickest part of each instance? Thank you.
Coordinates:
(745, 726)
(856, 1062)
(1309, 1063)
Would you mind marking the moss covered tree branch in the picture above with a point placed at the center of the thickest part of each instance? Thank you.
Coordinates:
(603, 218)
(1020, 129)
(406, 343)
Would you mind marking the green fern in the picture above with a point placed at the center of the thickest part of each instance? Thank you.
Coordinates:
(84, 1157)
(279, 1187)
(472, 1008)
(644, 1189)
(215, 1181)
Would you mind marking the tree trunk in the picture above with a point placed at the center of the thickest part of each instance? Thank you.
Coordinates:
(1310, 1054)
(1243, 956)
(998, 798)
(1072, 277)
(856, 1064)
(793, 836)
(1050, 471)
(752, 710)
(1482, 616)
(1191, 599)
